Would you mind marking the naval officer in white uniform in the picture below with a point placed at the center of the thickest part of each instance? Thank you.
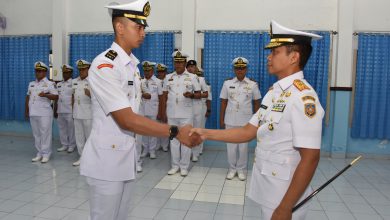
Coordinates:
(38, 108)
(288, 128)
(237, 95)
(109, 156)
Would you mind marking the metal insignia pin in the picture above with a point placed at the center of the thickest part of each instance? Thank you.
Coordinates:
(270, 127)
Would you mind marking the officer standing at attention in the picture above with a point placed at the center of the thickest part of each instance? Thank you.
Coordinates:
(109, 155)
(288, 126)
(82, 109)
(198, 109)
(206, 102)
(150, 105)
(162, 71)
(180, 88)
(38, 107)
(63, 110)
(236, 109)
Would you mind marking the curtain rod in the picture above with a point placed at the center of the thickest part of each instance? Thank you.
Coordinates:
(111, 32)
(25, 35)
(370, 32)
(257, 31)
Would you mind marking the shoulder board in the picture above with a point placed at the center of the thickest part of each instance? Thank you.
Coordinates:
(111, 54)
(229, 78)
(253, 80)
(300, 85)
(270, 88)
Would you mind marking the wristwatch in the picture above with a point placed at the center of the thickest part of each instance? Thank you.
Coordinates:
(173, 131)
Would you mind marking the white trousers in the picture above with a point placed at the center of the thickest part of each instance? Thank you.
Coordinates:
(162, 142)
(237, 154)
(300, 214)
(42, 131)
(66, 130)
(149, 143)
(82, 129)
(109, 200)
(203, 124)
(197, 124)
(180, 153)
(138, 148)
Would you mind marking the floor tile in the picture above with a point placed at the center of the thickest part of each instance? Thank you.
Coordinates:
(171, 214)
(192, 215)
(208, 207)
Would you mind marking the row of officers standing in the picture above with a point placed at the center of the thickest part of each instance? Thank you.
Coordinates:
(179, 98)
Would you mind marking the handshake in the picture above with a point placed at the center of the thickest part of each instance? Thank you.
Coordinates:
(190, 136)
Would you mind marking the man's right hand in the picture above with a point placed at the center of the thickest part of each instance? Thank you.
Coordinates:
(26, 115)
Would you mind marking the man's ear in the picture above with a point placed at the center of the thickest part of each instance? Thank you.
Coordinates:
(295, 57)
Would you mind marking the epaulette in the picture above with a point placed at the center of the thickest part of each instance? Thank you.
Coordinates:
(229, 78)
(111, 54)
(300, 85)
(270, 88)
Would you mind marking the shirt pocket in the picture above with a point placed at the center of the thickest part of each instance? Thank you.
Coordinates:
(275, 166)
(114, 143)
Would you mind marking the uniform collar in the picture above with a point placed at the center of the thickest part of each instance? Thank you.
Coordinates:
(43, 80)
(123, 56)
(245, 80)
(153, 78)
(289, 80)
(69, 80)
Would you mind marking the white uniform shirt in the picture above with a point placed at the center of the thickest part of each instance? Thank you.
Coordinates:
(40, 106)
(239, 95)
(154, 88)
(82, 106)
(199, 102)
(109, 153)
(176, 85)
(64, 103)
(210, 97)
(289, 118)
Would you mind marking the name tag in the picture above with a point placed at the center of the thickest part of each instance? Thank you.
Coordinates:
(170, 79)
(232, 87)
(263, 106)
(130, 83)
(278, 107)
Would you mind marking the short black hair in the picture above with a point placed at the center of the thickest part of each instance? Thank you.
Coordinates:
(304, 51)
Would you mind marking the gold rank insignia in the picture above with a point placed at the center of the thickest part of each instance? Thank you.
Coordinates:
(270, 127)
(300, 85)
(310, 110)
(288, 94)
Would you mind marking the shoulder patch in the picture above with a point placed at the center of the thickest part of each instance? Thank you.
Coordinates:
(310, 110)
(308, 97)
(111, 54)
(300, 85)
(109, 65)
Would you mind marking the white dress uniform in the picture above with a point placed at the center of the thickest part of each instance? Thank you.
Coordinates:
(204, 119)
(180, 112)
(162, 142)
(109, 156)
(238, 111)
(82, 112)
(150, 109)
(290, 117)
(41, 115)
(199, 113)
(65, 118)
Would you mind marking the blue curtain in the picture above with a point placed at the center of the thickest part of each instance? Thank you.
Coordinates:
(17, 58)
(317, 68)
(157, 47)
(371, 117)
(220, 48)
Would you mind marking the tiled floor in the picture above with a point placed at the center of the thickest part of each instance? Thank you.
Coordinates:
(56, 191)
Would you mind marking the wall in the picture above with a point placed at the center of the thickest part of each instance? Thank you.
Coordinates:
(27, 17)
